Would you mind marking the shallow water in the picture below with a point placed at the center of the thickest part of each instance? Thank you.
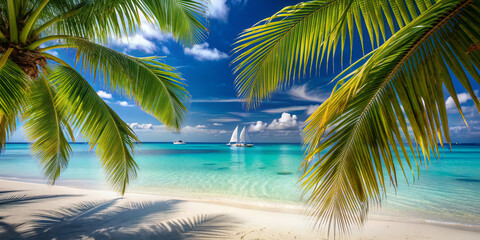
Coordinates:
(448, 192)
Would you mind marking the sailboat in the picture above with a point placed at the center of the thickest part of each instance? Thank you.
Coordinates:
(179, 142)
(243, 141)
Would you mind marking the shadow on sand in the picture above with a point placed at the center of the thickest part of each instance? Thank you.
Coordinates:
(120, 219)
(24, 198)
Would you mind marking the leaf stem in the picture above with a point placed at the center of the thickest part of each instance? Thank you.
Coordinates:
(32, 19)
(4, 57)
(12, 21)
(44, 40)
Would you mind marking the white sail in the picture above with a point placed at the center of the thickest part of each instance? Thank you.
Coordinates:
(246, 139)
(234, 138)
(242, 136)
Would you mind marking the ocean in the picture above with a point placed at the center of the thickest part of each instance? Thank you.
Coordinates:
(447, 191)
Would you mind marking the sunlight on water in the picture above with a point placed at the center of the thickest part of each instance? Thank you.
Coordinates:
(448, 192)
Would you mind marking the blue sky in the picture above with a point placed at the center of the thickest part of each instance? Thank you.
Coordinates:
(214, 110)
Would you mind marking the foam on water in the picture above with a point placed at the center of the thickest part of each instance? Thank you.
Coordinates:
(448, 192)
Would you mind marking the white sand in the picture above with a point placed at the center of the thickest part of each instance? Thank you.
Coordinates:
(37, 211)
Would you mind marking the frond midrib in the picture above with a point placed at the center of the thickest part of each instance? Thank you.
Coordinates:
(354, 135)
(267, 55)
(47, 85)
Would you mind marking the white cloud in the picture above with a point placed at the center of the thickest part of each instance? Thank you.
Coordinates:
(52, 52)
(219, 10)
(457, 129)
(165, 50)
(308, 109)
(225, 120)
(302, 93)
(286, 109)
(462, 98)
(145, 39)
(217, 124)
(104, 94)
(202, 129)
(259, 126)
(137, 42)
(201, 52)
(141, 125)
(311, 109)
(241, 114)
(124, 104)
(285, 122)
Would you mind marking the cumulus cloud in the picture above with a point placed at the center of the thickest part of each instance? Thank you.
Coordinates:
(259, 126)
(219, 10)
(141, 125)
(462, 98)
(200, 126)
(302, 93)
(145, 39)
(217, 124)
(202, 52)
(285, 122)
(124, 104)
(104, 94)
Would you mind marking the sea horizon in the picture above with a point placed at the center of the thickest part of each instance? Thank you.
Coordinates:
(265, 175)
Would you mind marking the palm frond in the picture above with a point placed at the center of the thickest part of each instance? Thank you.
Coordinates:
(156, 87)
(294, 41)
(99, 20)
(45, 128)
(13, 92)
(8, 125)
(98, 124)
(369, 115)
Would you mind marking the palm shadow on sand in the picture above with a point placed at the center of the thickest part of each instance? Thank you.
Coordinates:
(126, 220)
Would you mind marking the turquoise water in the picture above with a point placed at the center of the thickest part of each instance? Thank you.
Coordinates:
(448, 192)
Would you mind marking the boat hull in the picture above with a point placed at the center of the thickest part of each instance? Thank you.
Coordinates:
(241, 145)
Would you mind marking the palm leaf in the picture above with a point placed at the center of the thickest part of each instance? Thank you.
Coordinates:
(294, 41)
(368, 116)
(44, 128)
(13, 89)
(99, 20)
(99, 125)
(156, 87)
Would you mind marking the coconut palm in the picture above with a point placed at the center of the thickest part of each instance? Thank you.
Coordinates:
(392, 103)
(56, 101)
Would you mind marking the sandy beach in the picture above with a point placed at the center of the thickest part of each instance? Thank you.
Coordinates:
(38, 211)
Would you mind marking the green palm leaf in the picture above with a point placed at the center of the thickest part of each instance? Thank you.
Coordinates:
(400, 85)
(13, 89)
(294, 41)
(157, 88)
(98, 124)
(101, 19)
(31, 27)
(45, 127)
